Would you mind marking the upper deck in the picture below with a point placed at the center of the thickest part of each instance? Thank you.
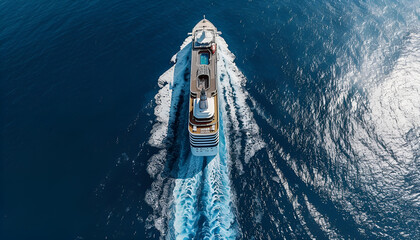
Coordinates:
(203, 61)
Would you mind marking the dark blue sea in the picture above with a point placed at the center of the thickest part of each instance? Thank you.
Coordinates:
(320, 113)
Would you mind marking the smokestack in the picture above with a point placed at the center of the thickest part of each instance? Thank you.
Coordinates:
(203, 100)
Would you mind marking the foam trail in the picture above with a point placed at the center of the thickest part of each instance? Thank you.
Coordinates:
(216, 198)
(172, 84)
(217, 195)
(185, 198)
(233, 97)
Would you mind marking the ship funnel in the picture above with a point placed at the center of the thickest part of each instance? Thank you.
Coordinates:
(203, 100)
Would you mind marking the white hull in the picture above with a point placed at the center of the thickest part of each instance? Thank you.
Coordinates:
(205, 151)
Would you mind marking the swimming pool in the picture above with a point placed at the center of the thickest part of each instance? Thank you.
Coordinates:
(204, 58)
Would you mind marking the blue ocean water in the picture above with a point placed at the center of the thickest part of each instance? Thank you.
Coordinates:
(320, 115)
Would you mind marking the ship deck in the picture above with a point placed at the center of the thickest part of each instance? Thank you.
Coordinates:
(196, 61)
(203, 63)
(204, 127)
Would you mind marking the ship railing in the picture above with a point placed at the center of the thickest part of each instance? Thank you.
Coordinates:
(203, 125)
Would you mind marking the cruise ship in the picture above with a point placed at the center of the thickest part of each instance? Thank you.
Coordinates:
(204, 105)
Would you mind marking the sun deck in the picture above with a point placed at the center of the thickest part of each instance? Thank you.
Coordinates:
(203, 61)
